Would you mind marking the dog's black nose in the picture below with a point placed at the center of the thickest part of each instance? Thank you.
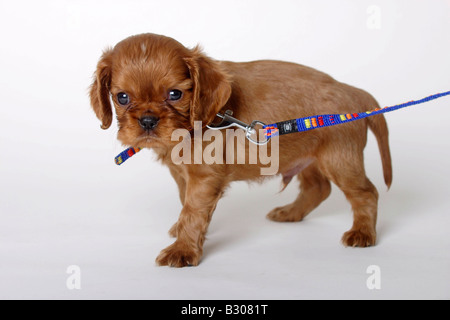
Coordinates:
(148, 123)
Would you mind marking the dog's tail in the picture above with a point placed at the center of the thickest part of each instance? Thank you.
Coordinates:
(378, 126)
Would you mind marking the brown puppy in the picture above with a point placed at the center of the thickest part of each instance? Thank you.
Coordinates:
(157, 85)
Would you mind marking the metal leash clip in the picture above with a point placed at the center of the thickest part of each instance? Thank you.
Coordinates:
(228, 121)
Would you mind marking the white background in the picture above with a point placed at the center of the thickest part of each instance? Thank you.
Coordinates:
(64, 202)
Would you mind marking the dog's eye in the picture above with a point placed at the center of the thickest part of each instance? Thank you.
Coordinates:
(175, 95)
(123, 99)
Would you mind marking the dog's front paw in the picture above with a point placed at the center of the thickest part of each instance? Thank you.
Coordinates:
(178, 255)
(359, 238)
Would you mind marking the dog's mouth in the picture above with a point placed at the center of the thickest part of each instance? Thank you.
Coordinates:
(147, 136)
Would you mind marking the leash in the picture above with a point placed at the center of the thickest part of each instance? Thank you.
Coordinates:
(326, 120)
(291, 126)
(125, 155)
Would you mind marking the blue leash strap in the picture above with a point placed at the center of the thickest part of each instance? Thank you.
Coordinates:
(125, 155)
(319, 121)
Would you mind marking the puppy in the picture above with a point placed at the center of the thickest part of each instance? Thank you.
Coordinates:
(157, 86)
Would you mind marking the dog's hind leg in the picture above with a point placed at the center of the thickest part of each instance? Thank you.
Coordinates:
(314, 188)
(347, 172)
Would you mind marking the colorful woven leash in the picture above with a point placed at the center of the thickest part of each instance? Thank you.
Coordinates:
(319, 121)
(309, 123)
(125, 155)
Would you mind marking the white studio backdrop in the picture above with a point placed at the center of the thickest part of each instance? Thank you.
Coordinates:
(64, 203)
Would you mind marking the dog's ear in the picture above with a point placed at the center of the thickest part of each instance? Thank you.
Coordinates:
(211, 87)
(99, 90)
